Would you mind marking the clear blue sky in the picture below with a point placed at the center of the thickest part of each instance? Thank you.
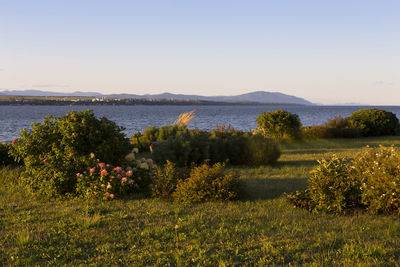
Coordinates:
(325, 51)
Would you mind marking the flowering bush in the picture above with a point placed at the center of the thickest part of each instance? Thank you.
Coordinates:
(279, 124)
(105, 181)
(370, 180)
(379, 171)
(55, 150)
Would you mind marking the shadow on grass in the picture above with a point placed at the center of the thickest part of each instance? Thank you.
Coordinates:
(295, 163)
(271, 188)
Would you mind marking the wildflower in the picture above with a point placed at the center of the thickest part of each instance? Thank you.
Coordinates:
(92, 155)
(106, 194)
(130, 181)
(124, 179)
(74, 134)
(129, 173)
(103, 173)
(92, 170)
(45, 160)
(101, 164)
(103, 185)
(109, 186)
(95, 193)
(111, 196)
(15, 140)
(95, 187)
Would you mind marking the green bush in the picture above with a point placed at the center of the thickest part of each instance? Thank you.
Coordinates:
(338, 127)
(279, 124)
(57, 149)
(332, 187)
(197, 147)
(323, 132)
(375, 122)
(207, 183)
(165, 180)
(151, 134)
(379, 171)
(370, 180)
(259, 150)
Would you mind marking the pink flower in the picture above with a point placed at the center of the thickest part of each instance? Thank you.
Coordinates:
(129, 173)
(117, 169)
(111, 196)
(130, 181)
(15, 140)
(95, 193)
(45, 160)
(103, 173)
(101, 165)
(106, 194)
(103, 185)
(73, 134)
(124, 179)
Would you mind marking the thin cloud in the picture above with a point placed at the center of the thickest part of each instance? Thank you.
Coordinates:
(49, 85)
(383, 83)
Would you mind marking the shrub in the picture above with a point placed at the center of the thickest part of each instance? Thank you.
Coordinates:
(375, 122)
(338, 127)
(331, 187)
(207, 183)
(57, 149)
(323, 132)
(165, 180)
(151, 134)
(379, 171)
(105, 181)
(370, 180)
(279, 124)
(200, 146)
(260, 151)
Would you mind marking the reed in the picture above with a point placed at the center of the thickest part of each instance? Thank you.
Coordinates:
(185, 118)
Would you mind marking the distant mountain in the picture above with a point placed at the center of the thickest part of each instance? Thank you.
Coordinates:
(46, 93)
(258, 96)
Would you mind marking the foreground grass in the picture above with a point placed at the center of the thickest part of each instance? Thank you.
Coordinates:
(262, 229)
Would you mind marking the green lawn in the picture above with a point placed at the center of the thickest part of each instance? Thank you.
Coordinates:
(261, 229)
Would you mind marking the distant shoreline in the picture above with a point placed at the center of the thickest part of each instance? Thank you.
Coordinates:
(90, 101)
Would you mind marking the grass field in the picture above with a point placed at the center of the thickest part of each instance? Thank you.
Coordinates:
(261, 229)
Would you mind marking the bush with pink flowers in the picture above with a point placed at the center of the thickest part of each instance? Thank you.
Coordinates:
(56, 149)
(105, 181)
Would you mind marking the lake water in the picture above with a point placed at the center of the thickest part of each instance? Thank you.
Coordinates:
(137, 118)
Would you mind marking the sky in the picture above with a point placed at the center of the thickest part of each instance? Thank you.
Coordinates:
(328, 52)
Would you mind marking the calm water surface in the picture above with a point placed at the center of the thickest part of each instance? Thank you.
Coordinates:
(137, 118)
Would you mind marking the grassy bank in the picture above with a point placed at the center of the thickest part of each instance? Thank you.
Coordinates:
(260, 229)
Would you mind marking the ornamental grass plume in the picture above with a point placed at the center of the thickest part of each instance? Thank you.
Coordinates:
(185, 118)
